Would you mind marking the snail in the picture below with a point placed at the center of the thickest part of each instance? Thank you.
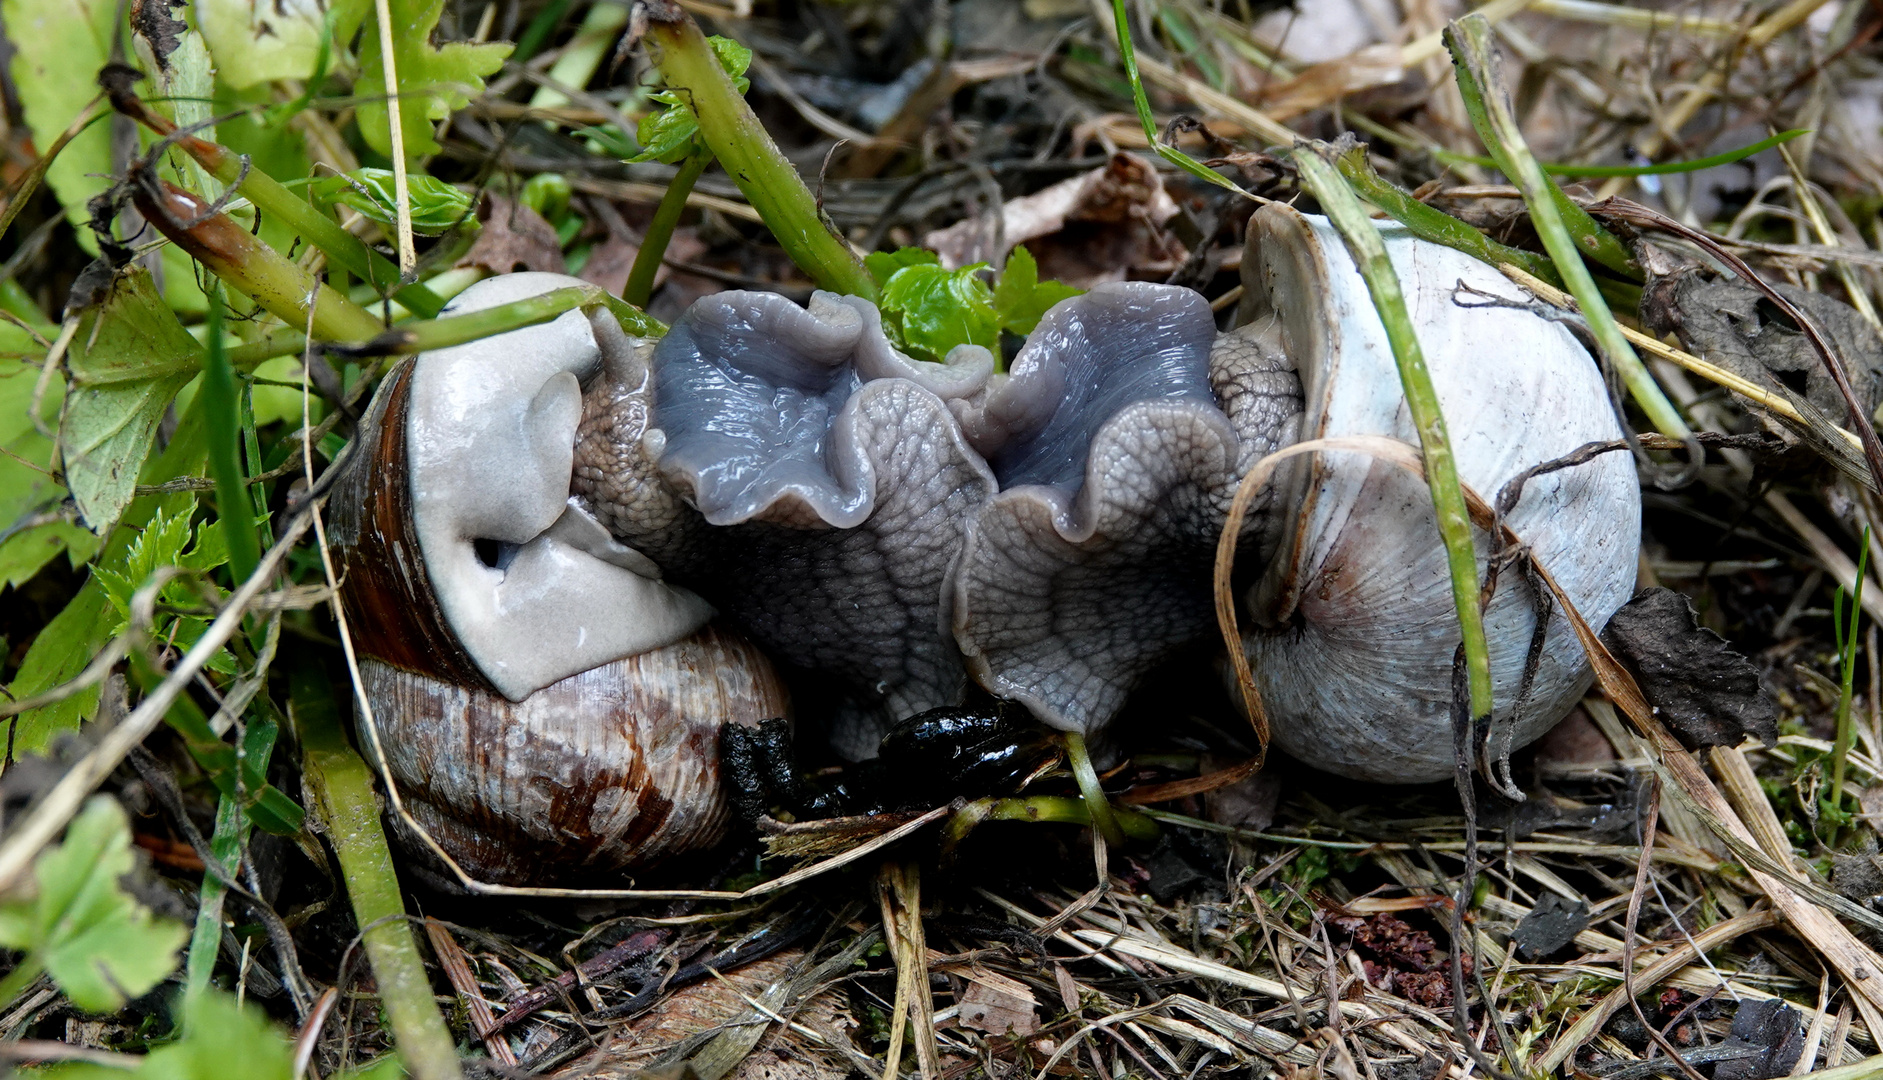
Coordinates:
(903, 530)
(548, 704)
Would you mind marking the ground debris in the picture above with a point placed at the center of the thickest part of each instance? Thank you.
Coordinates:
(1708, 694)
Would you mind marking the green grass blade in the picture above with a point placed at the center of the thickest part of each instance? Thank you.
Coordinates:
(235, 515)
(1665, 168)
(1489, 105)
(1319, 174)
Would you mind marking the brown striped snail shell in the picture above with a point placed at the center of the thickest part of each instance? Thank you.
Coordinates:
(549, 707)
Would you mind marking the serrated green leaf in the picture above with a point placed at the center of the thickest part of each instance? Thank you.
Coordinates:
(433, 79)
(65, 42)
(160, 544)
(257, 41)
(97, 943)
(436, 205)
(883, 265)
(666, 134)
(1022, 298)
(939, 309)
(127, 361)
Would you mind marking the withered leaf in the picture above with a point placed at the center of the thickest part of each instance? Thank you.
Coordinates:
(1773, 1037)
(514, 237)
(1705, 692)
(1735, 326)
(1552, 924)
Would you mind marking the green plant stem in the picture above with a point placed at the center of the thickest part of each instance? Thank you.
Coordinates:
(271, 197)
(1128, 56)
(225, 846)
(537, 33)
(450, 330)
(1485, 97)
(252, 268)
(342, 789)
(1847, 648)
(1489, 106)
(234, 512)
(1665, 168)
(764, 176)
(1315, 163)
(660, 230)
(1430, 223)
(1098, 807)
(584, 53)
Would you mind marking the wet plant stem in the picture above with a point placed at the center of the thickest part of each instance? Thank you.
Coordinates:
(272, 198)
(1316, 165)
(1488, 103)
(343, 795)
(660, 230)
(763, 174)
(1098, 807)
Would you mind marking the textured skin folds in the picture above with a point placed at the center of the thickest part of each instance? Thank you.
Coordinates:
(1093, 563)
(835, 517)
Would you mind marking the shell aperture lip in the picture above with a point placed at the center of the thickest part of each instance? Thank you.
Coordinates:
(489, 440)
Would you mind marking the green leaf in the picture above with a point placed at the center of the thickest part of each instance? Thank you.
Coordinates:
(258, 41)
(548, 194)
(222, 1040)
(67, 643)
(160, 544)
(433, 79)
(666, 135)
(1022, 298)
(127, 361)
(65, 42)
(436, 205)
(27, 487)
(97, 943)
(939, 309)
(883, 265)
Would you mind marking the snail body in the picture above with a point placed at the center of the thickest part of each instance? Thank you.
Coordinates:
(903, 530)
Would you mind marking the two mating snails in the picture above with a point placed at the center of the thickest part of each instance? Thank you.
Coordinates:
(571, 552)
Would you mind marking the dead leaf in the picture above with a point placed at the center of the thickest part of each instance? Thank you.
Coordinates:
(1705, 692)
(515, 237)
(1551, 925)
(1096, 227)
(998, 1005)
(610, 262)
(1736, 327)
(1326, 82)
(1773, 1034)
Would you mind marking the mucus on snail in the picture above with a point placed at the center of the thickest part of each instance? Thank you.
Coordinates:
(906, 529)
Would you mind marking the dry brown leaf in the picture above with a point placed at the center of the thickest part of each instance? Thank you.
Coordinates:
(515, 237)
(1095, 227)
(998, 1008)
(1327, 82)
